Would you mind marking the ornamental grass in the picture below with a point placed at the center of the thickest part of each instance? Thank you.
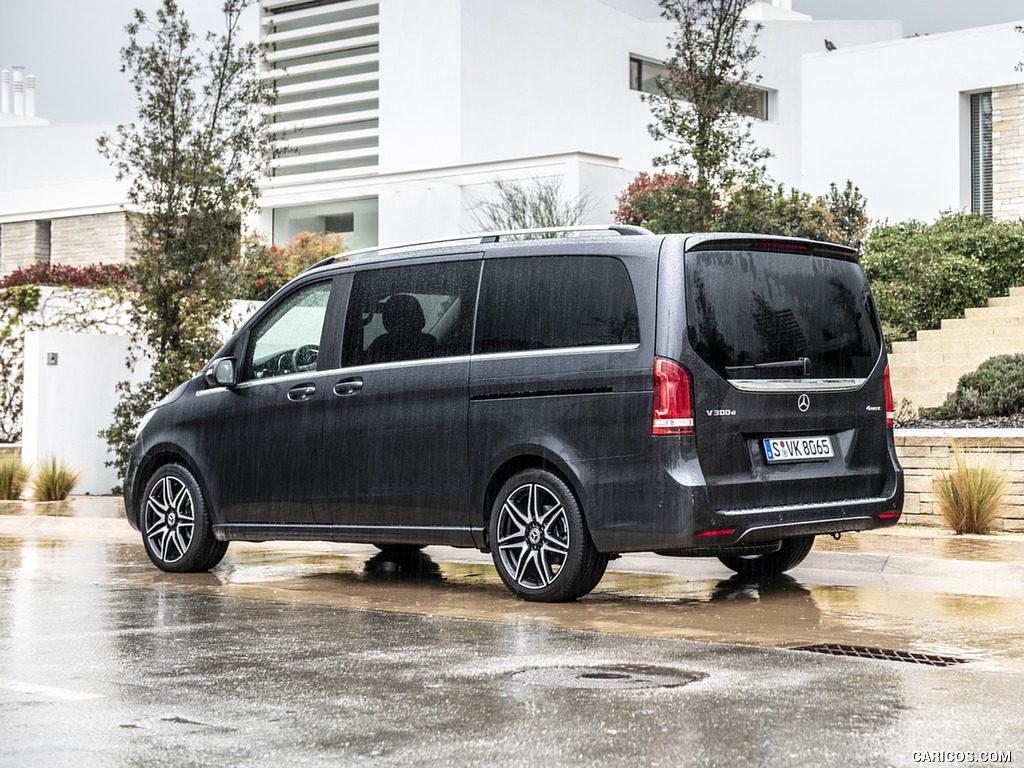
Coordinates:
(53, 481)
(13, 476)
(969, 498)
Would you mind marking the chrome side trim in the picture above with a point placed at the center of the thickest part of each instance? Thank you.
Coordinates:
(211, 391)
(796, 385)
(597, 349)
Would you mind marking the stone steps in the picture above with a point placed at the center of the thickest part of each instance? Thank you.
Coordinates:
(925, 371)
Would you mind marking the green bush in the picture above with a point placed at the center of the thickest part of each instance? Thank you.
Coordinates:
(13, 475)
(969, 498)
(922, 273)
(667, 202)
(996, 388)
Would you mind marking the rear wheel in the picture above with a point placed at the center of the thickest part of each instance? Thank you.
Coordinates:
(176, 527)
(789, 555)
(539, 540)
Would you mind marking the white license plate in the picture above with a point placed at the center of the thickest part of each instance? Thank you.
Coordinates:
(797, 448)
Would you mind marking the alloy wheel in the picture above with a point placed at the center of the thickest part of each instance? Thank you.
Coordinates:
(170, 519)
(533, 535)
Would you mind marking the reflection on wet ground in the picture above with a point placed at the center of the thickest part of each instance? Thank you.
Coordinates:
(697, 603)
(928, 542)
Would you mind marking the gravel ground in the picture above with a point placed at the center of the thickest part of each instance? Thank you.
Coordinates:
(992, 422)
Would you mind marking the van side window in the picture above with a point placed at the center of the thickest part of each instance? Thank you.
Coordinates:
(555, 301)
(287, 340)
(410, 313)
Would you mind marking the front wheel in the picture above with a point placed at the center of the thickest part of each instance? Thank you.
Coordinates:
(539, 540)
(176, 527)
(789, 555)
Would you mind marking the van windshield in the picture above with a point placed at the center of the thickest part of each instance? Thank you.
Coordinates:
(762, 316)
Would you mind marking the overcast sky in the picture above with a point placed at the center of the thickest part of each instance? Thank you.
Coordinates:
(71, 46)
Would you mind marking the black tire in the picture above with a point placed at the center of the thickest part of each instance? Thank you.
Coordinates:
(539, 540)
(789, 555)
(176, 528)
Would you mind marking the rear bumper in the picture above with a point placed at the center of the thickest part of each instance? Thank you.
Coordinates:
(642, 506)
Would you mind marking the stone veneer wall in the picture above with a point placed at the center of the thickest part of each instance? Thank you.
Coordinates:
(22, 243)
(924, 452)
(82, 240)
(74, 240)
(1008, 152)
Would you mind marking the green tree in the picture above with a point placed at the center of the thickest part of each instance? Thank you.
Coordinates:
(701, 104)
(521, 205)
(193, 159)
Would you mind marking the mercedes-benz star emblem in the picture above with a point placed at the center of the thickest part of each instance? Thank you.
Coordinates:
(803, 403)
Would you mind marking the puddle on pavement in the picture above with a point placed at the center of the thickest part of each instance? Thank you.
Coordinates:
(783, 612)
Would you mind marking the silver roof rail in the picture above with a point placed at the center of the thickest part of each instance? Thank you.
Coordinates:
(487, 237)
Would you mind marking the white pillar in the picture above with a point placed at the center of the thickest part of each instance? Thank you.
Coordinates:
(5, 91)
(30, 96)
(19, 91)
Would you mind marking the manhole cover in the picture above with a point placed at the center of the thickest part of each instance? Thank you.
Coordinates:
(884, 654)
(622, 677)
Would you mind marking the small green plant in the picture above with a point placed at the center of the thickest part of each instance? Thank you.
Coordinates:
(13, 475)
(969, 498)
(53, 480)
(904, 411)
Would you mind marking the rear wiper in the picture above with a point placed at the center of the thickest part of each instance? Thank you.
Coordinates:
(803, 363)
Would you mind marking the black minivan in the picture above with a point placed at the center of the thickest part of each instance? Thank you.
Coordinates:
(552, 401)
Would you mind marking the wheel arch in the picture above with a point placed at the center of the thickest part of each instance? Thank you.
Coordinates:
(513, 466)
(160, 457)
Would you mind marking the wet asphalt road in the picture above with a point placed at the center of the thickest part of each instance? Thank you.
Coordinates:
(298, 655)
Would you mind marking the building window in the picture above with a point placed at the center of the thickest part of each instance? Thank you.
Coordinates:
(981, 153)
(755, 102)
(644, 74)
(355, 219)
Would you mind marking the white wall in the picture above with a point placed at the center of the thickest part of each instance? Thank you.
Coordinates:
(420, 84)
(783, 45)
(67, 404)
(892, 117)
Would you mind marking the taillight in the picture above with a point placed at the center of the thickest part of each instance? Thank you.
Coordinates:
(890, 411)
(673, 399)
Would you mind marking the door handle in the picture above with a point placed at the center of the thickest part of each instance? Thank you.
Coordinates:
(301, 392)
(348, 387)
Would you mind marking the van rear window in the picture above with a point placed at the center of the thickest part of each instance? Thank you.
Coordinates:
(759, 315)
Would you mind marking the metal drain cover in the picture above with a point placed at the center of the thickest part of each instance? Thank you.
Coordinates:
(884, 654)
(622, 677)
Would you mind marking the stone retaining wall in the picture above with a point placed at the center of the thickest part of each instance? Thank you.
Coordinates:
(925, 452)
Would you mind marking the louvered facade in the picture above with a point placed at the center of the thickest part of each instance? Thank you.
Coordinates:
(324, 59)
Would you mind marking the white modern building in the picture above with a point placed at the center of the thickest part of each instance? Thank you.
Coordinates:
(396, 116)
(922, 124)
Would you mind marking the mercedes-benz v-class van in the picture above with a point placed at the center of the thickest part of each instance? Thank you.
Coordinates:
(554, 402)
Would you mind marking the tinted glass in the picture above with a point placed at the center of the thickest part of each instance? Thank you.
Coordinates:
(747, 308)
(287, 340)
(410, 313)
(555, 301)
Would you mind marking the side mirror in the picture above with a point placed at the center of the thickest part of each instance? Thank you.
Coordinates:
(221, 372)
